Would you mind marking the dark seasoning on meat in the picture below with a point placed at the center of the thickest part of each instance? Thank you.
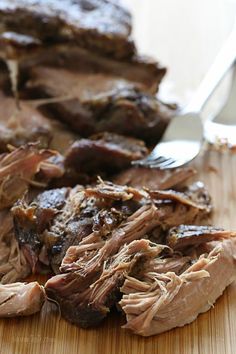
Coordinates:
(107, 235)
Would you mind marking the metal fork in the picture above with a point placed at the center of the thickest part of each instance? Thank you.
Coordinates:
(183, 138)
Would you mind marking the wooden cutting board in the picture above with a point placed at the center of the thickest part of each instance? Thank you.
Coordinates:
(212, 332)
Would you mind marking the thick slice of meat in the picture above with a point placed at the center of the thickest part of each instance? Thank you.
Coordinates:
(140, 177)
(104, 152)
(184, 236)
(141, 71)
(18, 127)
(21, 299)
(160, 302)
(100, 25)
(17, 172)
(96, 102)
(88, 307)
(13, 265)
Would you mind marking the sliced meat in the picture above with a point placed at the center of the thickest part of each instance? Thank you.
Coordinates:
(17, 172)
(18, 127)
(140, 177)
(140, 71)
(100, 25)
(184, 236)
(88, 307)
(21, 299)
(91, 103)
(104, 152)
(159, 302)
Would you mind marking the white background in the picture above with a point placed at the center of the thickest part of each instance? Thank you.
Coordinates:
(184, 35)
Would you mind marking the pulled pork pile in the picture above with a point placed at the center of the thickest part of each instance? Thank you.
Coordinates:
(71, 206)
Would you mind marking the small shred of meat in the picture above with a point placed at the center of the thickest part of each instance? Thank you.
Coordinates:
(21, 299)
(159, 302)
(17, 172)
(13, 265)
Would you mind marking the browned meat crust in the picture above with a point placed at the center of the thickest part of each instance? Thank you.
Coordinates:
(102, 26)
(104, 152)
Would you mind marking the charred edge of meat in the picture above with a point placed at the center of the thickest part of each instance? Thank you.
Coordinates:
(30, 221)
(100, 26)
(184, 236)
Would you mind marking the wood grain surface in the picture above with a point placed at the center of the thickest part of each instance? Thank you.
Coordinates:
(212, 332)
(162, 28)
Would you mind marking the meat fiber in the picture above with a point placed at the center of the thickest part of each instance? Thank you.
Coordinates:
(89, 306)
(159, 302)
(21, 299)
(84, 263)
(13, 265)
(18, 170)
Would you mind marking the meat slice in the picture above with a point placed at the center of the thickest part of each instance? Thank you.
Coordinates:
(21, 299)
(140, 177)
(159, 302)
(96, 102)
(104, 152)
(93, 303)
(99, 25)
(184, 236)
(18, 170)
(141, 71)
(18, 127)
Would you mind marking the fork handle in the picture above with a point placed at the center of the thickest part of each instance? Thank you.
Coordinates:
(224, 60)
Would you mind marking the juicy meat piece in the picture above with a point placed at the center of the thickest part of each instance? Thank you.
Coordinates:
(13, 265)
(141, 71)
(21, 299)
(92, 103)
(151, 178)
(31, 221)
(99, 25)
(18, 127)
(17, 171)
(104, 152)
(184, 236)
(91, 305)
(159, 302)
